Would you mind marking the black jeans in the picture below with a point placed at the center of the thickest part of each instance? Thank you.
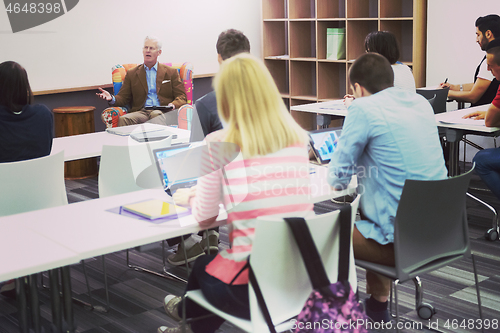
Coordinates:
(232, 299)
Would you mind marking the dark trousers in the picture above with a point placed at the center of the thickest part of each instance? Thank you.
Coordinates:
(232, 299)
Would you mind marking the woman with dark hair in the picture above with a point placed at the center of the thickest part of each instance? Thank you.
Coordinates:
(385, 43)
(26, 130)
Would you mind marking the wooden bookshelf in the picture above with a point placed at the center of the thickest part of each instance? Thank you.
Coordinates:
(294, 43)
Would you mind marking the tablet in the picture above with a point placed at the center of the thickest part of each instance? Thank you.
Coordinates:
(324, 142)
(154, 209)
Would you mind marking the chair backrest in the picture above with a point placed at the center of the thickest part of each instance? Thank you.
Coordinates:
(185, 72)
(432, 100)
(130, 168)
(280, 270)
(431, 222)
(441, 96)
(32, 184)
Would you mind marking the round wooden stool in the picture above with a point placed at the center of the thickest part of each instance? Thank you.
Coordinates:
(74, 120)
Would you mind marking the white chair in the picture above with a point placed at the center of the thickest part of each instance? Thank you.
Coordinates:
(125, 169)
(32, 184)
(282, 276)
(26, 186)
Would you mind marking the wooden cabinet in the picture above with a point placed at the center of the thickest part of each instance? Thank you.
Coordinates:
(294, 43)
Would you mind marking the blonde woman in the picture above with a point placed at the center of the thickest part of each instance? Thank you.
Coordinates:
(270, 176)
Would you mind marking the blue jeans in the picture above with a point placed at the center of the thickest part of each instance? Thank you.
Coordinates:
(488, 168)
(232, 299)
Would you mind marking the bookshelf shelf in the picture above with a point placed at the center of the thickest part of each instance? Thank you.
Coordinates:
(294, 43)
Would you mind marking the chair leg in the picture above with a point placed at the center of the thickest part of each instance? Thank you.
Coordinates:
(396, 303)
(477, 288)
(419, 292)
(167, 274)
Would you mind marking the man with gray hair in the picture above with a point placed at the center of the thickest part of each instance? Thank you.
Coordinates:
(148, 85)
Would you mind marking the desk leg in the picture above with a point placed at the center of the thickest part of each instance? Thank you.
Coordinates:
(34, 303)
(66, 287)
(22, 305)
(55, 300)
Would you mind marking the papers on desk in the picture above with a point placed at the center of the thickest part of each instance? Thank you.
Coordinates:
(127, 130)
(333, 105)
(456, 118)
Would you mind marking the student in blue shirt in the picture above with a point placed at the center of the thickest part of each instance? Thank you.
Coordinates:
(389, 135)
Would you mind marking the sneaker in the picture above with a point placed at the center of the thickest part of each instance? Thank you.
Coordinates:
(192, 253)
(8, 289)
(171, 305)
(178, 329)
(7, 286)
(377, 316)
(212, 243)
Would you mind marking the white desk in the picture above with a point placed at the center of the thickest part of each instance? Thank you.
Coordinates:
(26, 252)
(88, 229)
(455, 131)
(321, 190)
(90, 145)
(332, 108)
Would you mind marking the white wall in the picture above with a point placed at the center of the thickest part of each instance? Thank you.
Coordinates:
(79, 48)
(452, 51)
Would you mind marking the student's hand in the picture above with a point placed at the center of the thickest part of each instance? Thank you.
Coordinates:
(104, 95)
(478, 115)
(348, 100)
(445, 85)
(183, 195)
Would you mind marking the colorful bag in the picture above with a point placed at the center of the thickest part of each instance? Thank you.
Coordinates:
(330, 307)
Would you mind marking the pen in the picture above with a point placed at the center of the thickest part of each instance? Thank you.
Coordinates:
(446, 80)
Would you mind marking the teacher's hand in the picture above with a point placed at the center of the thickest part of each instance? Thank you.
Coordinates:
(104, 95)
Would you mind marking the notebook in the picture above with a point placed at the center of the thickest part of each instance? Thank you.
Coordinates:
(154, 209)
(324, 142)
(179, 166)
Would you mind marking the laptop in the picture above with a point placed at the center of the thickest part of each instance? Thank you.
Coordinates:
(324, 143)
(178, 166)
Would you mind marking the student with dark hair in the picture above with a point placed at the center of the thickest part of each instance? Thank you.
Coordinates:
(26, 130)
(485, 86)
(389, 135)
(205, 121)
(488, 160)
(385, 43)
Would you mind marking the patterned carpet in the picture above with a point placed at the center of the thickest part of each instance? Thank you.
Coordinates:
(136, 298)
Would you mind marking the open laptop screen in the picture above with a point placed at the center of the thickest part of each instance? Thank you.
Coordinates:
(324, 142)
(178, 165)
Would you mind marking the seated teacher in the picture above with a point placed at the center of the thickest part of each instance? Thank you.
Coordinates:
(147, 85)
(269, 177)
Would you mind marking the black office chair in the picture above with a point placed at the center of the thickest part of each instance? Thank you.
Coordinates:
(440, 95)
(430, 231)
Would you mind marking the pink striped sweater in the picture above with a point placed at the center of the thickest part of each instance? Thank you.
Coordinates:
(276, 184)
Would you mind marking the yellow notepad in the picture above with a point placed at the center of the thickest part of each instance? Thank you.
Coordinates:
(154, 209)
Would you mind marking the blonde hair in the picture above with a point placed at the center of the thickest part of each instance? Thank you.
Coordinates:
(250, 103)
